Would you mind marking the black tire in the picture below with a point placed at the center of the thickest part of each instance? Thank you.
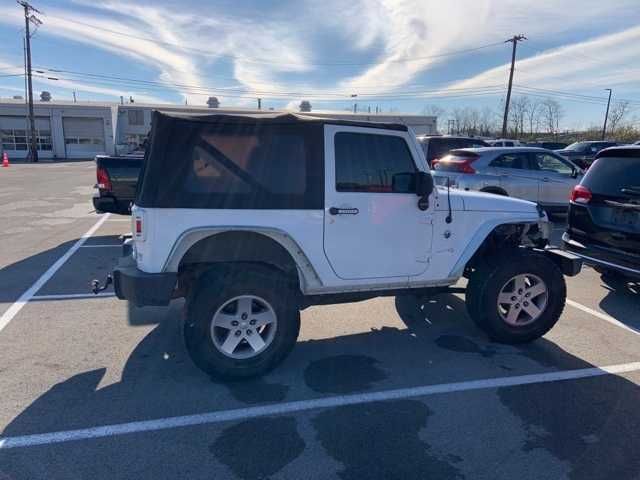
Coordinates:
(489, 278)
(216, 288)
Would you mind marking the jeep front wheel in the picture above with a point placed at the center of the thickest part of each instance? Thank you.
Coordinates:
(517, 298)
(241, 324)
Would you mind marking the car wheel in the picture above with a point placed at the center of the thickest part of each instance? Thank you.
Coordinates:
(516, 298)
(241, 323)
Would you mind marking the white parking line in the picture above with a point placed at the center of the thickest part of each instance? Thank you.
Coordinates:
(603, 316)
(305, 405)
(71, 296)
(13, 310)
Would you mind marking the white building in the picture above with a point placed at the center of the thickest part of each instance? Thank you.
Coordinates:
(85, 129)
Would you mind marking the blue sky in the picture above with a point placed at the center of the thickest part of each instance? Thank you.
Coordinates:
(390, 53)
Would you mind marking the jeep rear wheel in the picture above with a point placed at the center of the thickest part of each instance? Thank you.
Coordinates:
(517, 298)
(241, 323)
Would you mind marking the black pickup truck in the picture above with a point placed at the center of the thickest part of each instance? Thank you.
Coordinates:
(117, 180)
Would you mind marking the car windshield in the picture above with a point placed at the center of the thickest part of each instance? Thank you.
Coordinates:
(578, 146)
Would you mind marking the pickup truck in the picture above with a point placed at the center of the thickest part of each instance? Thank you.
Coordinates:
(116, 182)
(254, 218)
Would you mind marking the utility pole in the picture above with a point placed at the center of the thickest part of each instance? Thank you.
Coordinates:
(259, 104)
(606, 115)
(28, 19)
(514, 40)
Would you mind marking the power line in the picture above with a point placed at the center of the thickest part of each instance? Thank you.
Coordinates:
(271, 62)
(118, 80)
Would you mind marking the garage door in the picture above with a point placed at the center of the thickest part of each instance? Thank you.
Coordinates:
(14, 136)
(83, 136)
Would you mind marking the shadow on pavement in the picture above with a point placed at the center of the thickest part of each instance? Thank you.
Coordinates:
(17, 277)
(593, 425)
(622, 300)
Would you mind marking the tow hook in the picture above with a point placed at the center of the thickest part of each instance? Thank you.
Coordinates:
(95, 285)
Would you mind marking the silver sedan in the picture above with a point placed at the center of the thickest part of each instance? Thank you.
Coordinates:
(529, 173)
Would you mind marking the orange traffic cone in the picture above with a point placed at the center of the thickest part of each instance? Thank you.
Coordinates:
(5, 159)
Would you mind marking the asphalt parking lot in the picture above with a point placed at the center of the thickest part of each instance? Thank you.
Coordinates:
(388, 388)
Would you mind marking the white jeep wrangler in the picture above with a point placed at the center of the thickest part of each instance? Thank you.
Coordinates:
(253, 218)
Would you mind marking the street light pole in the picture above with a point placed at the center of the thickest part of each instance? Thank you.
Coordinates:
(606, 115)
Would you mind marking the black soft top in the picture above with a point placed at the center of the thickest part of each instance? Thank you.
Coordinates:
(272, 119)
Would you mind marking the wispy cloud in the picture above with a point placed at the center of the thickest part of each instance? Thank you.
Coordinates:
(272, 51)
(607, 60)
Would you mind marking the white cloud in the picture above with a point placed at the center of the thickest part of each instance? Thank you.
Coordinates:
(607, 60)
(186, 44)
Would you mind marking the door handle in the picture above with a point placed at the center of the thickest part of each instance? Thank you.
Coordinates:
(545, 179)
(343, 211)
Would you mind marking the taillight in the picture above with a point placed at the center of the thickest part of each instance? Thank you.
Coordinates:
(138, 226)
(456, 164)
(104, 182)
(581, 194)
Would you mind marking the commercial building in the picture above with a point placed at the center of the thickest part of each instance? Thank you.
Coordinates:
(84, 129)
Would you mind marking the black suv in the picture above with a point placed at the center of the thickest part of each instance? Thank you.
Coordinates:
(604, 214)
(583, 153)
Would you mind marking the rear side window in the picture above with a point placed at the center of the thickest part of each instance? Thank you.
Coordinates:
(238, 164)
(609, 175)
(511, 160)
(368, 162)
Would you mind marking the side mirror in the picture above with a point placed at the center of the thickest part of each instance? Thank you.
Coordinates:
(424, 184)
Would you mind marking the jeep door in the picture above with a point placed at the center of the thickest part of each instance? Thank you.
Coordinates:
(373, 227)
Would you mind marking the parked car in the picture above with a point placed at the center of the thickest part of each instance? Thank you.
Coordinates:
(583, 153)
(436, 147)
(504, 142)
(529, 173)
(548, 145)
(254, 218)
(116, 182)
(604, 216)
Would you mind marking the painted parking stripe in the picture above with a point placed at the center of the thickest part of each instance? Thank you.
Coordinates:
(13, 310)
(603, 316)
(72, 296)
(306, 405)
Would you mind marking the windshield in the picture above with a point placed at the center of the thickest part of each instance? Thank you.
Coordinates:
(578, 146)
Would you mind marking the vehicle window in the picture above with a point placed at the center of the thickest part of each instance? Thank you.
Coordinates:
(608, 175)
(239, 164)
(511, 160)
(438, 148)
(550, 163)
(508, 144)
(368, 162)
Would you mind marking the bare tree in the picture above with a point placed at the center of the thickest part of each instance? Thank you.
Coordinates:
(533, 115)
(519, 108)
(551, 112)
(617, 114)
(434, 110)
(488, 121)
(305, 106)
